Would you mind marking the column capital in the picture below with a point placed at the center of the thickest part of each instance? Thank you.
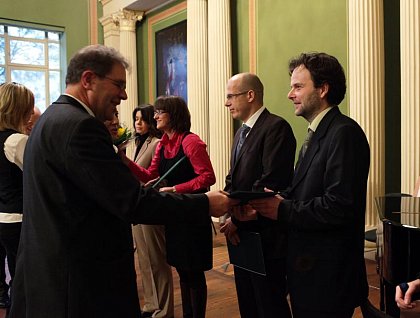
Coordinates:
(110, 27)
(127, 19)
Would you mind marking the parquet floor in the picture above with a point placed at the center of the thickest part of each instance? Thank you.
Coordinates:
(222, 303)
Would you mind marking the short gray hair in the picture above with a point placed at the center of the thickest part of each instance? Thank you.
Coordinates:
(98, 58)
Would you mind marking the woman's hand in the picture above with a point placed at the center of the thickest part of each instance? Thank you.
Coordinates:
(167, 189)
(151, 182)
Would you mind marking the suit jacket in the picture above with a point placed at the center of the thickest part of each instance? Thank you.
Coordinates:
(325, 212)
(146, 152)
(266, 159)
(76, 253)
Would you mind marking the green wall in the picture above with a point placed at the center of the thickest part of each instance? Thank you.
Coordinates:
(284, 30)
(70, 15)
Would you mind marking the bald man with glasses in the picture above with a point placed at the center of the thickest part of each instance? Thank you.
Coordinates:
(263, 155)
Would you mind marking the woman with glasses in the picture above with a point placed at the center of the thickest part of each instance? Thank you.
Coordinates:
(189, 249)
(16, 107)
(156, 274)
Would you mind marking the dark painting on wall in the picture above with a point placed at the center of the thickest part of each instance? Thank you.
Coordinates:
(171, 60)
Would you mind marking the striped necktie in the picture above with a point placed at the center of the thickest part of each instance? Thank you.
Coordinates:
(242, 136)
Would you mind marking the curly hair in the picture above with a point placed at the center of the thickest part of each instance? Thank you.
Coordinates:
(323, 68)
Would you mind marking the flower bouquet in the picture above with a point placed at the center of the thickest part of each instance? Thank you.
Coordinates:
(124, 136)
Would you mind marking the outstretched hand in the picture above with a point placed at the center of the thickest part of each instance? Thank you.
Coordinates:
(219, 203)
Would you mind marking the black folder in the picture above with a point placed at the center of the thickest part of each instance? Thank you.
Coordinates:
(245, 196)
(248, 254)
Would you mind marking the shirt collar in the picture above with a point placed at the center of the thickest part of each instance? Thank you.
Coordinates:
(83, 104)
(314, 125)
(253, 119)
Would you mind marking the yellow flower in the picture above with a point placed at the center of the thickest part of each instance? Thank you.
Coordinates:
(123, 135)
(121, 132)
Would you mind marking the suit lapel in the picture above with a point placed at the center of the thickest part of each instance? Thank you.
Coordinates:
(303, 165)
(252, 135)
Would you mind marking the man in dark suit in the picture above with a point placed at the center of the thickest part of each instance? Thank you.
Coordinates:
(265, 159)
(324, 209)
(76, 251)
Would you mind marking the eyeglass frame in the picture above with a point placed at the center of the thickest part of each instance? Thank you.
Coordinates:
(159, 112)
(120, 84)
(230, 96)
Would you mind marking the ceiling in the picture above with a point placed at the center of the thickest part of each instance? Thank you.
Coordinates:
(146, 5)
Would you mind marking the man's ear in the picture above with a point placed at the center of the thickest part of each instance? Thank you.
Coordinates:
(324, 89)
(87, 79)
(250, 95)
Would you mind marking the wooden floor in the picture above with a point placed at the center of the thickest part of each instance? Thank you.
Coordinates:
(222, 301)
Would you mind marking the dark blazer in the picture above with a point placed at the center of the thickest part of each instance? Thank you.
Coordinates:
(76, 253)
(266, 159)
(325, 212)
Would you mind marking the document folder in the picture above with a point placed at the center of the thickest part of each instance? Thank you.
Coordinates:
(245, 196)
(248, 254)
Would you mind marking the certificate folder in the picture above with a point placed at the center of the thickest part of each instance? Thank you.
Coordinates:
(245, 196)
(248, 254)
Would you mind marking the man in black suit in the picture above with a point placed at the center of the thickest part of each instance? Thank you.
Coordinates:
(265, 159)
(324, 209)
(76, 251)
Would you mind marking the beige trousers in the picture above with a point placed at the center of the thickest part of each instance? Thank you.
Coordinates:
(156, 274)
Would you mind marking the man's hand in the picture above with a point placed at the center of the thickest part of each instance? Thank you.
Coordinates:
(219, 203)
(267, 207)
(229, 229)
(244, 213)
(404, 301)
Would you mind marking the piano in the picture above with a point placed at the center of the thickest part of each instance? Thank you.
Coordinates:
(398, 246)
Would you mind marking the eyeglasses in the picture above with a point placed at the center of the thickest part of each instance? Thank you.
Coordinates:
(230, 96)
(122, 85)
(159, 112)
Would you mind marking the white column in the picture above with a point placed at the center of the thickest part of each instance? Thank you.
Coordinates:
(198, 82)
(127, 22)
(220, 70)
(410, 93)
(111, 32)
(366, 89)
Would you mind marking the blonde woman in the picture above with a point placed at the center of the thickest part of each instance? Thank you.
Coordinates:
(16, 107)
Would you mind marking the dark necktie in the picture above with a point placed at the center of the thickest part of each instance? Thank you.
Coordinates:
(242, 135)
(306, 143)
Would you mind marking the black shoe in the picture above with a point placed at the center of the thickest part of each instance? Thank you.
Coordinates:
(4, 301)
(146, 314)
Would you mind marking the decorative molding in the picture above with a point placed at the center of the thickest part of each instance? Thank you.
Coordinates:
(252, 15)
(153, 20)
(104, 2)
(93, 22)
(127, 19)
(110, 27)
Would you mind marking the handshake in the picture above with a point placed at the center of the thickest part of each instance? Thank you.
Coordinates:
(244, 204)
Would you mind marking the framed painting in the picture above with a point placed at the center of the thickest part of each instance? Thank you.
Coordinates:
(171, 60)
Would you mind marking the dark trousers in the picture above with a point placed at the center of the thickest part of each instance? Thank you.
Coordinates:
(300, 313)
(263, 296)
(4, 288)
(9, 239)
